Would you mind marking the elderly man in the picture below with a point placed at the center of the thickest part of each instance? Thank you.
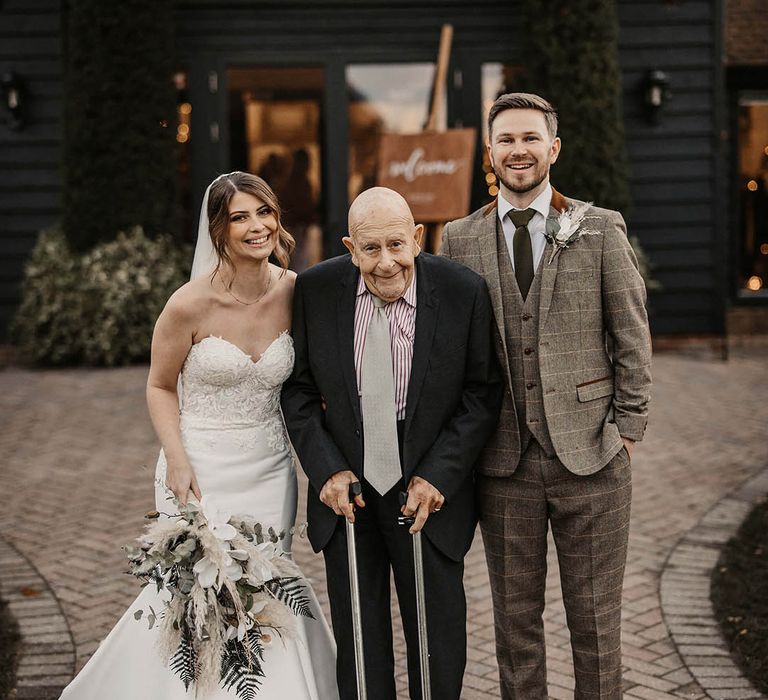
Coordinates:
(395, 385)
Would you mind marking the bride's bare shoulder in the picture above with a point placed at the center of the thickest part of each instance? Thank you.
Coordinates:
(191, 299)
(286, 279)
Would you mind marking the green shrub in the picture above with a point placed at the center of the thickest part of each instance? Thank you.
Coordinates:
(98, 308)
(120, 119)
(739, 594)
(47, 325)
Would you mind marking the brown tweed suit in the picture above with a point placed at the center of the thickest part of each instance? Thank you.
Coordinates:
(557, 456)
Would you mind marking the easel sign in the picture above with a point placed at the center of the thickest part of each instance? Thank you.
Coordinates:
(432, 170)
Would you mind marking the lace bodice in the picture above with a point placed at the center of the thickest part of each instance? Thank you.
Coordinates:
(222, 388)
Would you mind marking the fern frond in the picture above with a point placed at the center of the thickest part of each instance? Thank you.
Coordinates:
(241, 666)
(291, 593)
(184, 661)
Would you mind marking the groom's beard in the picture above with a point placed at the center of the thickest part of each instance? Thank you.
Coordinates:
(526, 181)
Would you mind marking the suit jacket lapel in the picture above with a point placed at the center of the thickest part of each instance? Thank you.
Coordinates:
(345, 320)
(427, 305)
(485, 235)
(549, 270)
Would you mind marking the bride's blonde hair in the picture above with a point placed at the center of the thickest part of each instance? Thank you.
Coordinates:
(221, 193)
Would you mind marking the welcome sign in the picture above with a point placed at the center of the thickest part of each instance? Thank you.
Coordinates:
(432, 170)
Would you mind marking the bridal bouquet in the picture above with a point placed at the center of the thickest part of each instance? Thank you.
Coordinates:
(229, 590)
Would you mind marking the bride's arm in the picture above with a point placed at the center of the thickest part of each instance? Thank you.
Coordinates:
(171, 342)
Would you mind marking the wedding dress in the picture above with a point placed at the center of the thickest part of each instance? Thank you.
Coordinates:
(234, 437)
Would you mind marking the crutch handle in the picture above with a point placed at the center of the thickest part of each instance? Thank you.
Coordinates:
(405, 520)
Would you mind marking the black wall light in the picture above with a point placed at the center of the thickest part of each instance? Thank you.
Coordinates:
(656, 93)
(13, 98)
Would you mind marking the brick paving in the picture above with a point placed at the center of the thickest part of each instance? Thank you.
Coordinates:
(685, 586)
(78, 456)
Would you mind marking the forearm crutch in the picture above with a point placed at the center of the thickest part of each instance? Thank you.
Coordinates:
(355, 489)
(421, 602)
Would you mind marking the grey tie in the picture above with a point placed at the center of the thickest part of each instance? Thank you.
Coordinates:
(381, 458)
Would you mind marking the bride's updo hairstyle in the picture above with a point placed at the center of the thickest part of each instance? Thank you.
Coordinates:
(221, 193)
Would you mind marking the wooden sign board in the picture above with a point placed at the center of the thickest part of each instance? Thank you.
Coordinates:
(432, 170)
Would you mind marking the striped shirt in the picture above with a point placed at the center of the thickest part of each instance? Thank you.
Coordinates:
(402, 329)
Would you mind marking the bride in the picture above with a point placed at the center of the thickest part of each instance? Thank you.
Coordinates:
(223, 340)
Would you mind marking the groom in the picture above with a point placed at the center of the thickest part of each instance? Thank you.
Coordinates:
(574, 407)
(396, 385)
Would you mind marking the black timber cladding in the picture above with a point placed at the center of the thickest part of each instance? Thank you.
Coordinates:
(673, 165)
(30, 182)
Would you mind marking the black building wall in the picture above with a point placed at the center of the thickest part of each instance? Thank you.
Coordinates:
(675, 166)
(30, 183)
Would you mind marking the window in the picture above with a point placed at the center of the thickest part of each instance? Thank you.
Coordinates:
(752, 196)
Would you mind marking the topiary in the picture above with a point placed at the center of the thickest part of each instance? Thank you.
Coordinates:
(571, 59)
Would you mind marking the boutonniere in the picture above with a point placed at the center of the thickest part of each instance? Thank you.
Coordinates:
(567, 227)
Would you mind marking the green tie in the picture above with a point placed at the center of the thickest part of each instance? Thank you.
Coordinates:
(521, 247)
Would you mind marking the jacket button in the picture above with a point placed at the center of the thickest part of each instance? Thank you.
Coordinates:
(528, 351)
(527, 317)
(357, 433)
(530, 385)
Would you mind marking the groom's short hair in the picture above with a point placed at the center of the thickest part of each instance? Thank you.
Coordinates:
(524, 100)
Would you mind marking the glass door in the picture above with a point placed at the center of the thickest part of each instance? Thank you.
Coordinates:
(391, 98)
(275, 116)
(478, 81)
(752, 196)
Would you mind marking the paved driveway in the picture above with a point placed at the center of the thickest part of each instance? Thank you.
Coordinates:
(77, 463)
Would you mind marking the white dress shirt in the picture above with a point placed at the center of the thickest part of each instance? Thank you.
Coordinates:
(536, 226)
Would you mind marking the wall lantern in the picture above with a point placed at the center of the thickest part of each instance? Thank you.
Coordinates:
(13, 97)
(655, 93)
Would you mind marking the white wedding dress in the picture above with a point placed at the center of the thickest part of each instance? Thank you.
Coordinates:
(233, 433)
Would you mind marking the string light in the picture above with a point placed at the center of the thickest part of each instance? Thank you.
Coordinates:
(755, 283)
(752, 186)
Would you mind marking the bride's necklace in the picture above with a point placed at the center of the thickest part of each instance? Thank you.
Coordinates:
(255, 301)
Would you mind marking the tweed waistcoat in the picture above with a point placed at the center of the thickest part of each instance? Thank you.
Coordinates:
(522, 336)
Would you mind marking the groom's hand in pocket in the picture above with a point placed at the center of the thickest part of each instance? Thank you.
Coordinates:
(335, 494)
(629, 446)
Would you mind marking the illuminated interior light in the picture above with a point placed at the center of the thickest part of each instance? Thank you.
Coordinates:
(755, 283)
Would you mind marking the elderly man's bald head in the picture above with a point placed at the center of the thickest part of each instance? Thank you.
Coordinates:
(384, 241)
(377, 206)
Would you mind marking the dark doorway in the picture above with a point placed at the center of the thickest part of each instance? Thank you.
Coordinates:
(275, 131)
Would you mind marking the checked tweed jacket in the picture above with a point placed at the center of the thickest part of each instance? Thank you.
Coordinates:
(590, 291)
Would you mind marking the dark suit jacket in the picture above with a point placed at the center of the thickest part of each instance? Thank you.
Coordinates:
(453, 401)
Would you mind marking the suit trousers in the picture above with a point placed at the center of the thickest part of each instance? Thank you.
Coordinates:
(589, 516)
(384, 546)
